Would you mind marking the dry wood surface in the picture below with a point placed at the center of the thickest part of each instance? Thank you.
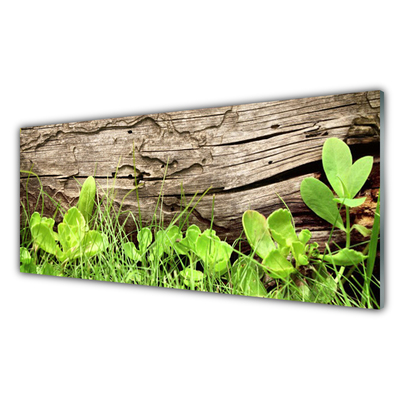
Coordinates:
(248, 154)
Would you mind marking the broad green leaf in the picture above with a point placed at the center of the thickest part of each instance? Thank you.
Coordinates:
(131, 251)
(282, 229)
(256, 229)
(277, 265)
(211, 248)
(193, 233)
(304, 236)
(362, 229)
(144, 238)
(298, 251)
(205, 247)
(245, 279)
(189, 241)
(219, 267)
(350, 202)
(359, 174)
(337, 161)
(43, 237)
(94, 243)
(173, 236)
(86, 198)
(318, 197)
(35, 219)
(74, 218)
(345, 257)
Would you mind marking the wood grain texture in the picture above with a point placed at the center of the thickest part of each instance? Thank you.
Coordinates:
(249, 154)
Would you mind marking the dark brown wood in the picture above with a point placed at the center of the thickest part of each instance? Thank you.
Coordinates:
(248, 154)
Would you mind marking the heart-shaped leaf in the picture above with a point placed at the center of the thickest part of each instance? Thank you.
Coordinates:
(319, 198)
(281, 226)
(131, 251)
(256, 229)
(44, 238)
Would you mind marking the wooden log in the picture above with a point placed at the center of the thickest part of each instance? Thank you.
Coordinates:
(248, 154)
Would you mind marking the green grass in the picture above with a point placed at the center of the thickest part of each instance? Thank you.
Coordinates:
(353, 287)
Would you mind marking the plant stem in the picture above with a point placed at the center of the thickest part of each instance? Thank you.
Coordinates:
(348, 227)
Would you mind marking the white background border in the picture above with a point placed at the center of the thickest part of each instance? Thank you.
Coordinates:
(74, 61)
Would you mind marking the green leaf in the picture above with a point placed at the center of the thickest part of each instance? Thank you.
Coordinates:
(246, 280)
(277, 265)
(359, 174)
(337, 161)
(94, 243)
(282, 229)
(304, 236)
(27, 264)
(345, 257)
(131, 251)
(350, 202)
(24, 255)
(214, 253)
(362, 229)
(318, 197)
(43, 237)
(256, 229)
(193, 233)
(86, 198)
(144, 238)
(191, 276)
(298, 250)
(35, 219)
(72, 230)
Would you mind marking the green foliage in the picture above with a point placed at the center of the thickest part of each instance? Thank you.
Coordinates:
(27, 263)
(344, 257)
(345, 178)
(284, 262)
(74, 236)
(246, 278)
(277, 238)
(86, 198)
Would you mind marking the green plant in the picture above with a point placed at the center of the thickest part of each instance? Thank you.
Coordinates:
(286, 256)
(346, 180)
(73, 235)
(274, 239)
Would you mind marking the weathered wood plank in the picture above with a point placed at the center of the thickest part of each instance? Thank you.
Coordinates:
(247, 153)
